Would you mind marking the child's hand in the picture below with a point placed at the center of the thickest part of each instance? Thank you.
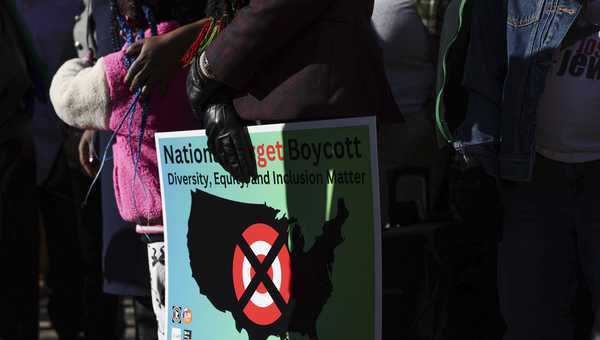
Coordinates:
(87, 153)
(158, 57)
(154, 65)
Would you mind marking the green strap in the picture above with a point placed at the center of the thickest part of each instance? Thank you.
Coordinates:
(453, 24)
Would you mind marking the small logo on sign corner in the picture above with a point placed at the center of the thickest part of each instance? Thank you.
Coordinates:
(176, 315)
(187, 315)
(175, 333)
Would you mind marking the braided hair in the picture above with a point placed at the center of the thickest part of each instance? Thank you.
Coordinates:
(182, 11)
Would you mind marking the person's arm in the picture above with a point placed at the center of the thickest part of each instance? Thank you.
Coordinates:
(255, 33)
(485, 68)
(158, 56)
(79, 94)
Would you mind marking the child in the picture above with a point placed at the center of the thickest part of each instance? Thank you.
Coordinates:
(95, 96)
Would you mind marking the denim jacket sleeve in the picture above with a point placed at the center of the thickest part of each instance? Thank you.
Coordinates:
(485, 70)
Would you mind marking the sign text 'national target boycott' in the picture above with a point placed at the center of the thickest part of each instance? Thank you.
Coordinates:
(292, 149)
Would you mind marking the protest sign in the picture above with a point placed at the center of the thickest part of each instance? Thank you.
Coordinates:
(295, 252)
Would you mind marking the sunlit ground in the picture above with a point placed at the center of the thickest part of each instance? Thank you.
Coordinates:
(48, 333)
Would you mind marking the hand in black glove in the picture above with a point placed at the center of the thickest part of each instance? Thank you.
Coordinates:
(200, 88)
(228, 139)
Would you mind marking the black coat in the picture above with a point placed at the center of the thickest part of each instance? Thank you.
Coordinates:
(302, 60)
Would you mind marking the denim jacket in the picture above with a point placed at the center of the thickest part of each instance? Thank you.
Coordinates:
(490, 115)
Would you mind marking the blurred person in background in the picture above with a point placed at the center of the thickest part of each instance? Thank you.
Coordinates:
(21, 76)
(409, 66)
(73, 231)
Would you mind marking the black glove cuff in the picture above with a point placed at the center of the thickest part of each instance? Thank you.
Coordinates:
(200, 89)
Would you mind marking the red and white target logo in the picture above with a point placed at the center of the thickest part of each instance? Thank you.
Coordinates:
(262, 274)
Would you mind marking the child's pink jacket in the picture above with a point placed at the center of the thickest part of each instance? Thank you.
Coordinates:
(97, 98)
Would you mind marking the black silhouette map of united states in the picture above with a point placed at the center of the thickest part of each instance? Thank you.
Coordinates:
(215, 230)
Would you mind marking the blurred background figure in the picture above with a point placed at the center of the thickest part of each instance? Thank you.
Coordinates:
(409, 62)
(21, 73)
(407, 153)
(77, 306)
(439, 259)
(407, 52)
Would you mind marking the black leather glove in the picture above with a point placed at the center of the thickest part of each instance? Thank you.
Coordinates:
(228, 138)
(200, 89)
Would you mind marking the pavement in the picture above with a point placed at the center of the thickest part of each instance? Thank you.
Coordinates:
(48, 333)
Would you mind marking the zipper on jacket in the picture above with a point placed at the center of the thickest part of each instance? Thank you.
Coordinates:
(460, 149)
(439, 120)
